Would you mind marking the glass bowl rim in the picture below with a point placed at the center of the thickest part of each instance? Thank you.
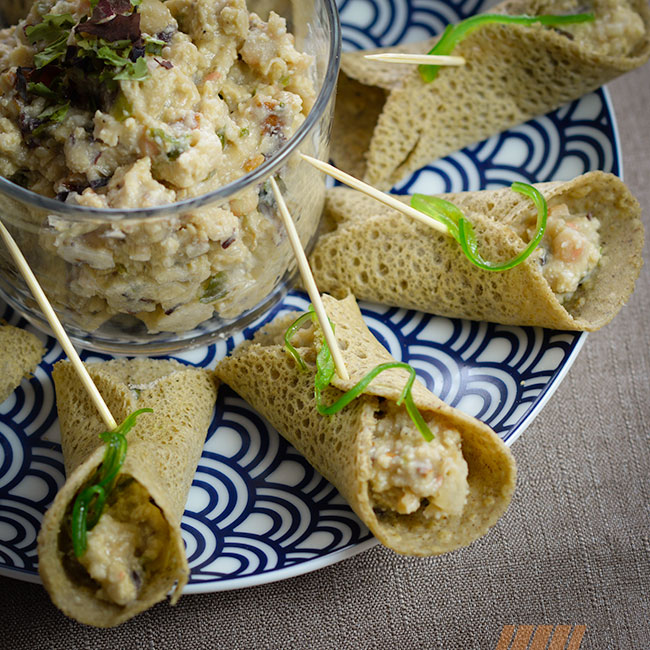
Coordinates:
(81, 213)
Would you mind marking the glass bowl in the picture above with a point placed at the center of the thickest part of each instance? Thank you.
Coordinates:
(160, 279)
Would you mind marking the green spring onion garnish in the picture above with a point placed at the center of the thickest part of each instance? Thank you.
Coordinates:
(325, 370)
(89, 504)
(454, 34)
(463, 232)
(291, 330)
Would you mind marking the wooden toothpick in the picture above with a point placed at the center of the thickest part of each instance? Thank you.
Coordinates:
(417, 59)
(310, 284)
(57, 328)
(384, 198)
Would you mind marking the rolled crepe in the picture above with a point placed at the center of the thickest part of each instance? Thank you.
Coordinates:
(135, 553)
(382, 256)
(20, 353)
(389, 122)
(370, 450)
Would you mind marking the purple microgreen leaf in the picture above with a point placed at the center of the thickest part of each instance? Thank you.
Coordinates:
(21, 82)
(138, 50)
(167, 34)
(116, 29)
(106, 8)
(50, 29)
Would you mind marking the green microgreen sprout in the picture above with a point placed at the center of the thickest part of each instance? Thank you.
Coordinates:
(54, 31)
(41, 90)
(153, 45)
(107, 51)
(325, 371)
(89, 504)
(454, 34)
(131, 71)
(461, 229)
(52, 115)
(108, 54)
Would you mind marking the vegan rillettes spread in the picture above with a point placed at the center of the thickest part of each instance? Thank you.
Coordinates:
(138, 103)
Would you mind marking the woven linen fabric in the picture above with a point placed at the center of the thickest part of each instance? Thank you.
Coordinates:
(573, 549)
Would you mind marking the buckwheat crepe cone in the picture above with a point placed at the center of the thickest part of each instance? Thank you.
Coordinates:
(340, 446)
(20, 353)
(163, 451)
(389, 122)
(382, 256)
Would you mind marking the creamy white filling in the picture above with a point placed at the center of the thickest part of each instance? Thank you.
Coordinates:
(570, 250)
(615, 31)
(110, 559)
(129, 537)
(409, 473)
(233, 89)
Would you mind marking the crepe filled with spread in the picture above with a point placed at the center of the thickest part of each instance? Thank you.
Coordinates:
(578, 278)
(134, 554)
(417, 497)
(389, 122)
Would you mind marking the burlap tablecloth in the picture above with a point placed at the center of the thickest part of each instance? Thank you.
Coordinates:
(573, 548)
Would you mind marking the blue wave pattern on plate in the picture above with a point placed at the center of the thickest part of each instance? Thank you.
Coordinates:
(257, 511)
(575, 139)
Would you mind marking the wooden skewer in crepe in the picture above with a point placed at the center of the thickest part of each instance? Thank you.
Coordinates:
(310, 284)
(417, 59)
(384, 198)
(57, 328)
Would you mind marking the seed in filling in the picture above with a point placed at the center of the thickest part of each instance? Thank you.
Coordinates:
(129, 539)
(570, 250)
(409, 473)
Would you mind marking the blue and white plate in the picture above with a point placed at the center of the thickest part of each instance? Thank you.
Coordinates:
(257, 512)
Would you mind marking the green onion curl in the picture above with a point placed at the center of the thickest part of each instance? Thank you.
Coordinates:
(288, 335)
(325, 368)
(89, 504)
(405, 396)
(454, 34)
(325, 371)
(461, 229)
